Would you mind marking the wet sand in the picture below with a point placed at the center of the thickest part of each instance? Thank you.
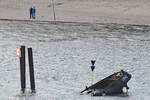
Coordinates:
(101, 11)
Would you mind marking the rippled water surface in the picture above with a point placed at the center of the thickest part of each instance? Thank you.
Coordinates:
(62, 54)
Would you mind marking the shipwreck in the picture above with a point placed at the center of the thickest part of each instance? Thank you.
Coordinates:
(110, 85)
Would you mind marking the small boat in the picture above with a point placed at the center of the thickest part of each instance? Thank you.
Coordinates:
(110, 85)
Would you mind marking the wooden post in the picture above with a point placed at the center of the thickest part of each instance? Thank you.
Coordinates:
(53, 4)
(31, 70)
(92, 78)
(22, 69)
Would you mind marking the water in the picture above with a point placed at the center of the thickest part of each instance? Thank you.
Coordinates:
(62, 54)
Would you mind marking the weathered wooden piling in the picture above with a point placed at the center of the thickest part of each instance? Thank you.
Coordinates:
(31, 70)
(23, 69)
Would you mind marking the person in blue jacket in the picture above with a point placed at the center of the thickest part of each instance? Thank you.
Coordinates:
(34, 12)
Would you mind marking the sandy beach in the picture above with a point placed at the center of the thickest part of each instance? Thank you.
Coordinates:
(100, 11)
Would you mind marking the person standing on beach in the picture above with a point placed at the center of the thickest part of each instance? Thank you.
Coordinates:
(34, 12)
(31, 12)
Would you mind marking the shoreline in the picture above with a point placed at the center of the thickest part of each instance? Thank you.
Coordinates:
(78, 22)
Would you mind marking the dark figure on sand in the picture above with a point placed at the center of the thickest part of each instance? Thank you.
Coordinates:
(32, 12)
